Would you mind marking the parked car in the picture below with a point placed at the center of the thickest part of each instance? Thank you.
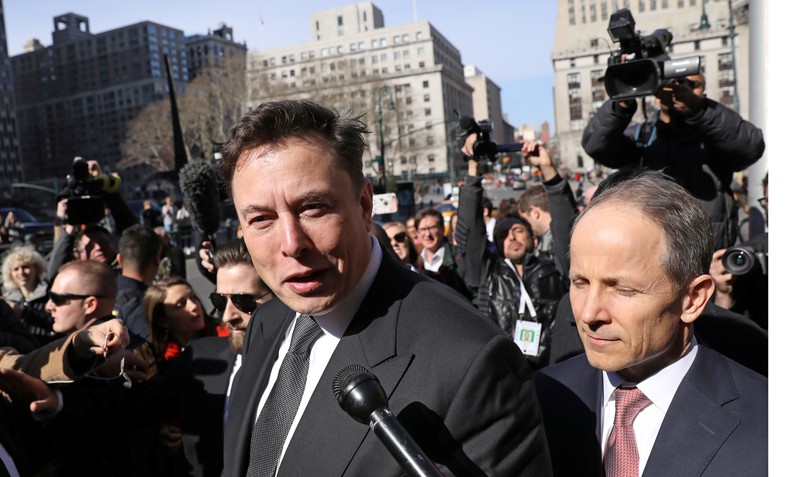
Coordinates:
(28, 230)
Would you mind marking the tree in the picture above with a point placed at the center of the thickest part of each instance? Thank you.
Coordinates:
(211, 105)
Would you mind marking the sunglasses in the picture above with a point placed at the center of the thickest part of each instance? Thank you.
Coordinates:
(245, 302)
(61, 299)
(400, 237)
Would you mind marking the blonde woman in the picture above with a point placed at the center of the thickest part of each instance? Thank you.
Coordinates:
(25, 290)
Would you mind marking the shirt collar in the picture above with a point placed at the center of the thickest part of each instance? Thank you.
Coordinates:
(334, 321)
(661, 387)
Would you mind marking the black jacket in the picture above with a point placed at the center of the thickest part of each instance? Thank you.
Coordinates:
(702, 153)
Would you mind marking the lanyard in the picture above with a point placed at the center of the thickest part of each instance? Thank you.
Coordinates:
(524, 298)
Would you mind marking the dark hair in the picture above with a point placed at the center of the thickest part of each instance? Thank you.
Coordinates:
(686, 226)
(139, 246)
(273, 123)
(533, 195)
(234, 253)
(507, 206)
(502, 227)
(487, 204)
(155, 312)
(429, 212)
(86, 230)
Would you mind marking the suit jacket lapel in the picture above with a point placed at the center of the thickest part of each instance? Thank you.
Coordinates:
(267, 331)
(696, 425)
(371, 341)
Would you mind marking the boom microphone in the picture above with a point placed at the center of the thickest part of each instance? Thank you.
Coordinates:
(361, 396)
(198, 181)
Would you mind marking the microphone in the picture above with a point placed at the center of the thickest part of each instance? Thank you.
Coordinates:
(198, 181)
(361, 396)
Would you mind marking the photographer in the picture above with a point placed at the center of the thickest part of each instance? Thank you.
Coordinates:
(740, 276)
(698, 141)
(515, 286)
(82, 238)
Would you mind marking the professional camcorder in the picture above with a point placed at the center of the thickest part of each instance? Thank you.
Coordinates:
(641, 64)
(85, 203)
(484, 149)
(741, 259)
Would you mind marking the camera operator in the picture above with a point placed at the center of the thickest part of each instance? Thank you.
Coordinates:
(516, 288)
(78, 240)
(696, 140)
(740, 276)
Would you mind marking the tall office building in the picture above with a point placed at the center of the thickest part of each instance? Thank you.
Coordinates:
(213, 49)
(408, 79)
(582, 48)
(486, 103)
(77, 96)
(10, 165)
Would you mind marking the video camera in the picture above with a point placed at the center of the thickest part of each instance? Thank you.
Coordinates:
(741, 259)
(484, 148)
(641, 63)
(85, 203)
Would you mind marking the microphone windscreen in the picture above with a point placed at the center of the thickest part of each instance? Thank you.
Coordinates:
(198, 181)
(343, 377)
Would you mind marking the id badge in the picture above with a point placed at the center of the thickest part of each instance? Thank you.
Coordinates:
(527, 336)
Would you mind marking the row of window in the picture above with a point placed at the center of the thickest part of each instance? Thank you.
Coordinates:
(340, 49)
(644, 5)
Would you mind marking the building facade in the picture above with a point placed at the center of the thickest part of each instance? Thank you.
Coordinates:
(486, 103)
(407, 80)
(214, 49)
(77, 96)
(10, 164)
(582, 48)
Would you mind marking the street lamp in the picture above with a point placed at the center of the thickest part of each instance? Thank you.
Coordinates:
(381, 159)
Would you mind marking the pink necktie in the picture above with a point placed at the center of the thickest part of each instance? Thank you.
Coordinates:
(621, 457)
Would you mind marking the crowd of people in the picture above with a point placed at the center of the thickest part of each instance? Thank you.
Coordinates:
(550, 335)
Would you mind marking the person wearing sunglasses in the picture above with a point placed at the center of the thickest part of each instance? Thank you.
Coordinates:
(696, 140)
(403, 244)
(82, 293)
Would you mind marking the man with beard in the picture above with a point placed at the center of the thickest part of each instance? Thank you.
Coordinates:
(697, 141)
(516, 288)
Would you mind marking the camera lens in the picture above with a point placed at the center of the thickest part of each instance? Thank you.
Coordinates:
(738, 261)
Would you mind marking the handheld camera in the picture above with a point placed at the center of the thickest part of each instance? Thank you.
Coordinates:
(85, 203)
(641, 63)
(484, 149)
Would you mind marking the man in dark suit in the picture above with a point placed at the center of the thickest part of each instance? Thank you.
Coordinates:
(646, 396)
(459, 386)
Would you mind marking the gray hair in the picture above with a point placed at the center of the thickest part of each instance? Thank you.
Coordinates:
(685, 225)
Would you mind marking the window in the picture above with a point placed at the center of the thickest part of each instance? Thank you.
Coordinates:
(408, 100)
(425, 84)
(427, 111)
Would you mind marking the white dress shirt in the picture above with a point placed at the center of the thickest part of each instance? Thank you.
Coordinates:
(434, 261)
(660, 388)
(334, 323)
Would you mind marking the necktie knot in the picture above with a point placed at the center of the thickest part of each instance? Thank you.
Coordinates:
(628, 402)
(306, 332)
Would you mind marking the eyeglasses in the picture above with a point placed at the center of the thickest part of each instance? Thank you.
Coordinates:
(245, 302)
(61, 299)
(400, 237)
(428, 229)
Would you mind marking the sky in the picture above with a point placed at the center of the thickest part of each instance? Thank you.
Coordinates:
(516, 57)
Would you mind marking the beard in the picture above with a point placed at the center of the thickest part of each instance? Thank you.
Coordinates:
(236, 340)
